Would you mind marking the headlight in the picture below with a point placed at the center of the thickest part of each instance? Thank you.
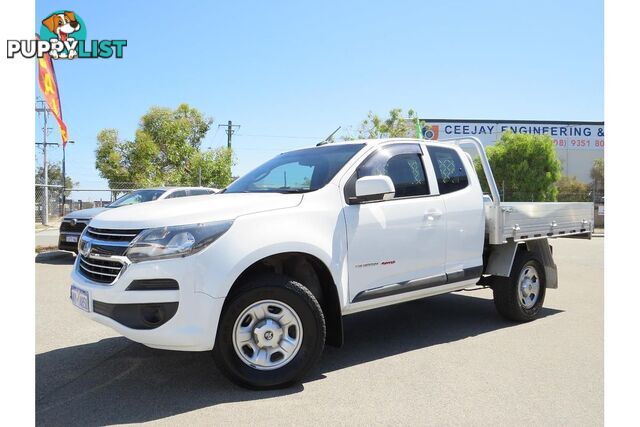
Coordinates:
(178, 241)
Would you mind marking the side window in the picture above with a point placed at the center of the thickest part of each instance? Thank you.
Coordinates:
(449, 169)
(403, 164)
(176, 194)
(200, 192)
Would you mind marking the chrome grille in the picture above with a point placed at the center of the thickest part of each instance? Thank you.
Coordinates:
(108, 235)
(69, 226)
(99, 270)
(107, 247)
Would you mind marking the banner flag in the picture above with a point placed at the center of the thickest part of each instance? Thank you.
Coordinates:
(49, 88)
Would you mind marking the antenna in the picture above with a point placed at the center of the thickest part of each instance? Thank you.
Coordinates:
(329, 139)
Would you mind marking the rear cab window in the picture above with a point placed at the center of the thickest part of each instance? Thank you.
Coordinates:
(200, 191)
(176, 194)
(450, 172)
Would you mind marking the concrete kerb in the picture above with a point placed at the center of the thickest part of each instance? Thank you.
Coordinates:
(50, 255)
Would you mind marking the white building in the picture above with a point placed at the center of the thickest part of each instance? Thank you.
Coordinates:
(578, 144)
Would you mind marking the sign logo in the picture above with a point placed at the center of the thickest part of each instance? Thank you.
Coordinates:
(63, 35)
(85, 248)
(60, 27)
(430, 131)
(566, 135)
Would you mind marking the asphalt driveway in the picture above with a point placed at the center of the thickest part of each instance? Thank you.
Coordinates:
(446, 360)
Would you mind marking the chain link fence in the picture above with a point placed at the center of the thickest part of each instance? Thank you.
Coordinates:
(85, 198)
(51, 206)
(520, 196)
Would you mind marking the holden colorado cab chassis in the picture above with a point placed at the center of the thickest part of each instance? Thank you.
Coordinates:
(263, 272)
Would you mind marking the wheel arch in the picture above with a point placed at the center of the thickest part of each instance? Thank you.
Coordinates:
(310, 271)
(500, 259)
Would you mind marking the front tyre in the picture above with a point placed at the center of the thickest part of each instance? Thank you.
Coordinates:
(520, 296)
(271, 332)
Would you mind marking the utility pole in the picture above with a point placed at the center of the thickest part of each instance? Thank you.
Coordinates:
(64, 176)
(41, 107)
(231, 129)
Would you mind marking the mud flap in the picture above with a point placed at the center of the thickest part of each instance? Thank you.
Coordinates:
(501, 259)
(542, 248)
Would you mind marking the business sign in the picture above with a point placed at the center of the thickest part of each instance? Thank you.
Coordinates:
(63, 35)
(49, 88)
(565, 135)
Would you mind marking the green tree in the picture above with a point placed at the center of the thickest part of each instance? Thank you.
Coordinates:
(597, 175)
(394, 126)
(164, 151)
(525, 166)
(572, 190)
(54, 177)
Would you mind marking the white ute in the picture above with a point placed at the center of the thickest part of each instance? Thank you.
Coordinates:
(263, 272)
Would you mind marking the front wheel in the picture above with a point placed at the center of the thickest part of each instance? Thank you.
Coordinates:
(271, 332)
(520, 296)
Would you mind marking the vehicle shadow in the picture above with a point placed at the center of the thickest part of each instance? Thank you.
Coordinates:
(116, 381)
(56, 258)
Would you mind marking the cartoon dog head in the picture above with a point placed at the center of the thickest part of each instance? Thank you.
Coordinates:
(62, 24)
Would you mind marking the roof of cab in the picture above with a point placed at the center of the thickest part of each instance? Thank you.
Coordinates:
(372, 142)
(177, 188)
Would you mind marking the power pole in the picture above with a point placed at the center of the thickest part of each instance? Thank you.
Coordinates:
(231, 129)
(42, 108)
(64, 177)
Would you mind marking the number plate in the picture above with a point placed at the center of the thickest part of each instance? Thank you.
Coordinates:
(73, 239)
(80, 298)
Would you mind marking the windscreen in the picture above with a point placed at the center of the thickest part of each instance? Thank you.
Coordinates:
(297, 171)
(138, 196)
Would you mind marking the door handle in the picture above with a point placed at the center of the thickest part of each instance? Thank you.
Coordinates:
(433, 214)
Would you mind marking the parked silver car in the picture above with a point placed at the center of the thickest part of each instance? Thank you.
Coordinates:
(74, 223)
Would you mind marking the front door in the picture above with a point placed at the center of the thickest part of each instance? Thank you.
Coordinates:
(396, 245)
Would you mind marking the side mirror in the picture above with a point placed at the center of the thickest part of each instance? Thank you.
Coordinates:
(373, 188)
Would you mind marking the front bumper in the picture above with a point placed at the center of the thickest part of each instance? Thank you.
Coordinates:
(68, 246)
(193, 326)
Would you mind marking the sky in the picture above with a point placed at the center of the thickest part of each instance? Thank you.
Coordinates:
(289, 73)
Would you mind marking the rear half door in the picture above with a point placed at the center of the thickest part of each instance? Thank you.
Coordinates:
(461, 193)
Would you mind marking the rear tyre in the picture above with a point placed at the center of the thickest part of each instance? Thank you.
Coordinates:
(520, 296)
(271, 332)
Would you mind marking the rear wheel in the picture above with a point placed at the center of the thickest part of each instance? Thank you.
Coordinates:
(271, 332)
(520, 296)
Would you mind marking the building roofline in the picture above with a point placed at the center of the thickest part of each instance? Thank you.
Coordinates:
(528, 122)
